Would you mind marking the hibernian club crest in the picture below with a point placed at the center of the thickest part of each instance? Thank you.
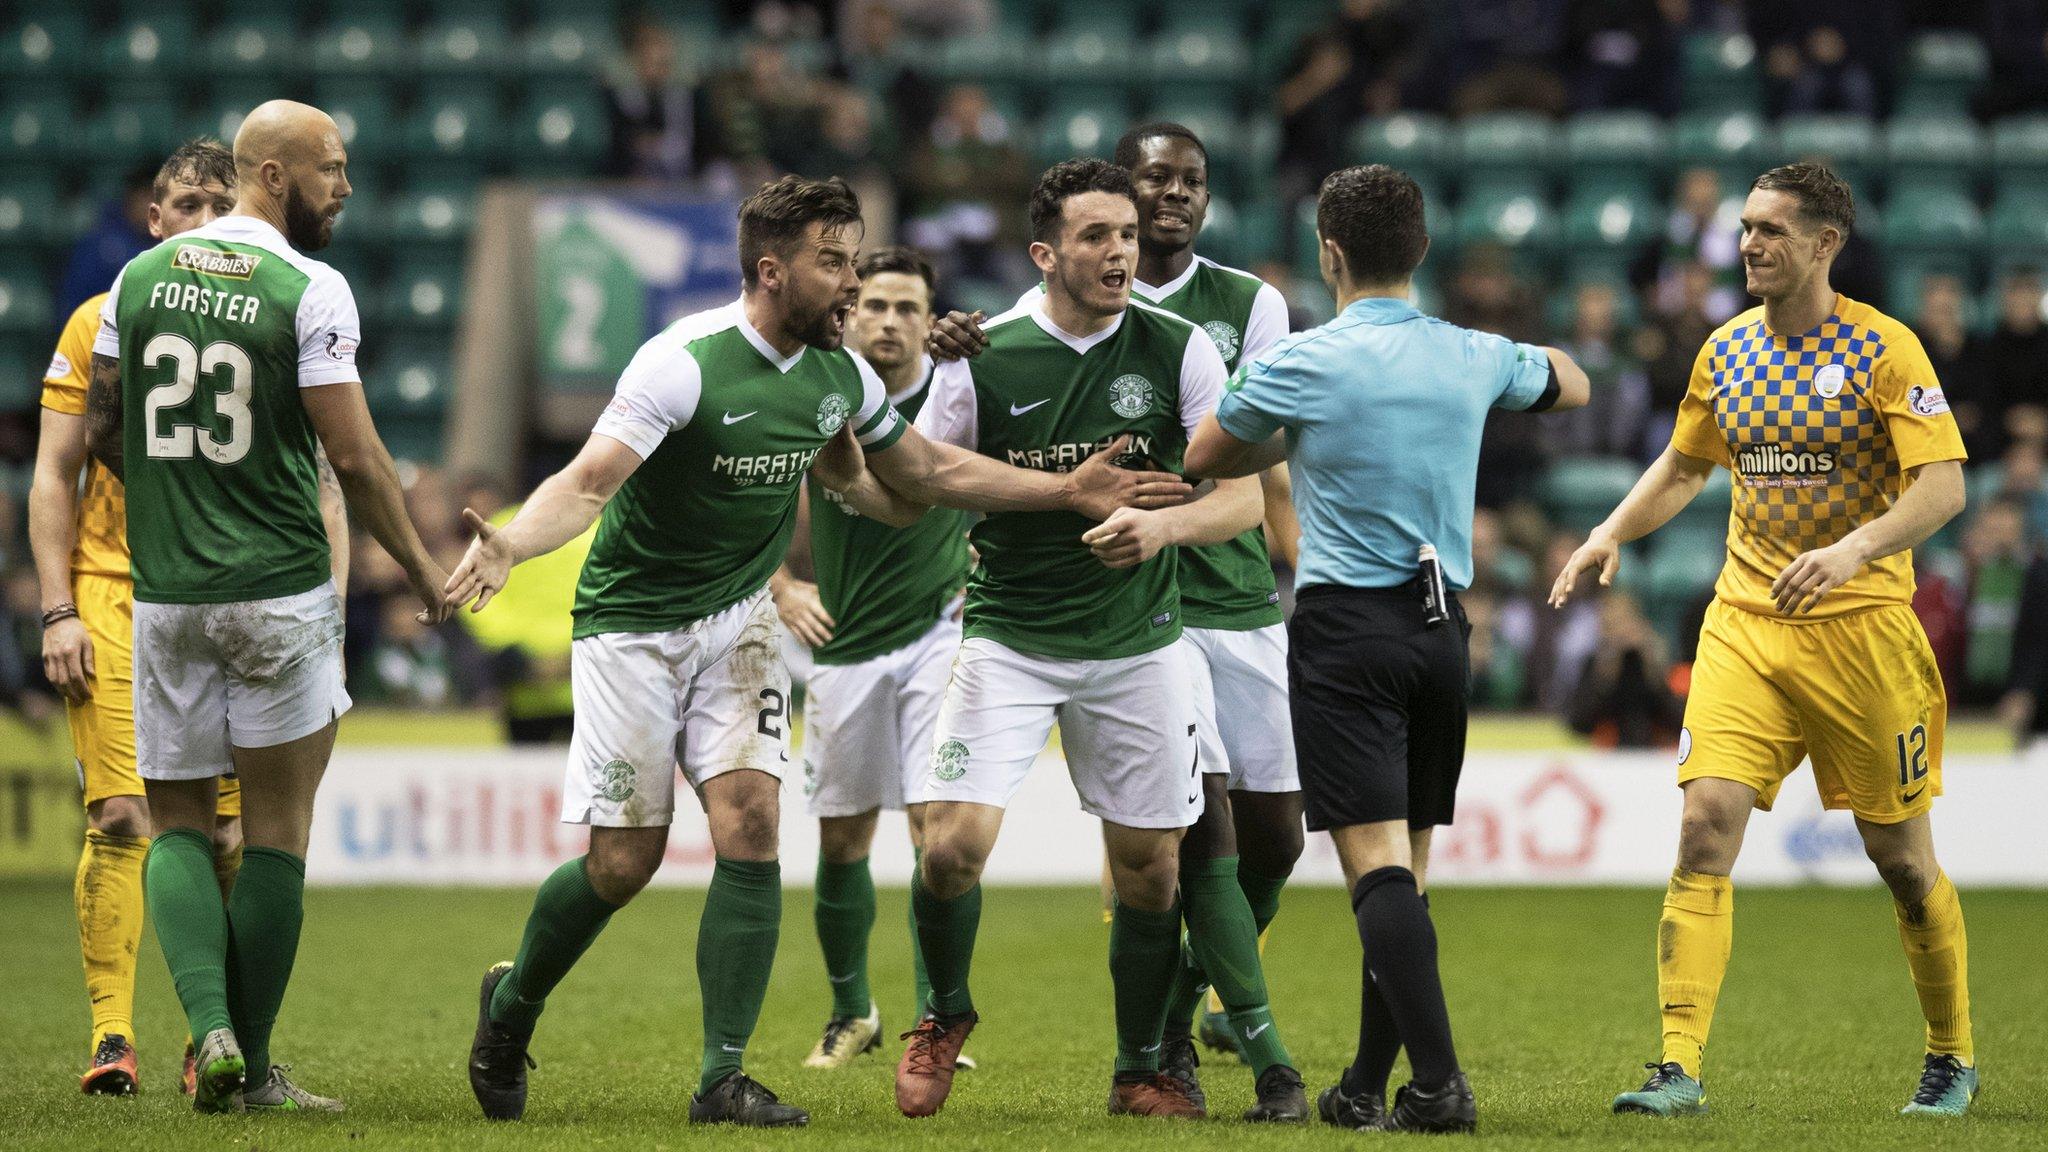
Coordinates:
(1130, 396)
(1225, 336)
(832, 412)
(615, 781)
(949, 760)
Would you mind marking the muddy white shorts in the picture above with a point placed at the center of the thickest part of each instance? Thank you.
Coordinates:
(868, 726)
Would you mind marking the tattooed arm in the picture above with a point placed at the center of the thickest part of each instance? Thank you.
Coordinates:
(103, 414)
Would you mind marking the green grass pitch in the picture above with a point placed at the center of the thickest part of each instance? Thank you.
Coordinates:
(1816, 1045)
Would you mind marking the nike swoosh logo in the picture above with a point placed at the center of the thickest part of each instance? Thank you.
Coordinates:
(732, 419)
(840, 979)
(1149, 1048)
(1915, 795)
(1016, 411)
(1676, 1007)
(1253, 1033)
(730, 1048)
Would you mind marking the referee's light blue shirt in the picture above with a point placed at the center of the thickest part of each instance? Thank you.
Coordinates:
(1383, 408)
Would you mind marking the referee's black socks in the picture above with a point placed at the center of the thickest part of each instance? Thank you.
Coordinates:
(1400, 960)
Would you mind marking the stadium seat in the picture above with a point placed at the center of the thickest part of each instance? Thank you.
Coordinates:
(409, 381)
(1602, 143)
(1611, 213)
(424, 295)
(365, 216)
(1099, 50)
(1847, 144)
(369, 129)
(1416, 143)
(1503, 210)
(1084, 123)
(22, 362)
(356, 44)
(1929, 145)
(1719, 74)
(43, 48)
(2019, 224)
(433, 213)
(457, 123)
(1279, 36)
(458, 45)
(25, 306)
(1932, 215)
(153, 47)
(127, 133)
(2019, 147)
(1943, 70)
(1206, 52)
(35, 129)
(1738, 144)
(29, 215)
(565, 133)
(567, 46)
(996, 56)
(1580, 492)
(1519, 142)
(266, 48)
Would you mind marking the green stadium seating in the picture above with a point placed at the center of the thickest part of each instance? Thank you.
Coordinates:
(1222, 132)
(25, 306)
(1946, 145)
(564, 133)
(127, 133)
(2019, 224)
(44, 47)
(1085, 123)
(1629, 143)
(353, 43)
(23, 360)
(1719, 74)
(464, 46)
(1943, 70)
(1512, 141)
(265, 48)
(1199, 53)
(1708, 510)
(1931, 215)
(996, 56)
(410, 381)
(2019, 147)
(369, 128)
(1504, 210)
(1614, 214)
(1580, 492)
(149, 47)
(1738, 144)
(1417, 143)
(35, 129)
(1847, 144)
(424, 295)
(566, 46)
(1279, 36)
(1091, 53)
(455, 124)
(1118, 18)
(435, 212)
(30, 219)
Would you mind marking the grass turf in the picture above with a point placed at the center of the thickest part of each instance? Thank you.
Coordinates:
(1816, 1045)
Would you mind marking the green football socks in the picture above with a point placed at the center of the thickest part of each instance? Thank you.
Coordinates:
(945, 935)
(191, 924)
(1224, 937)
(844, 912)
(735, 954)
(1144, 950)
(265, 912)
(566, 918)
(924, 982)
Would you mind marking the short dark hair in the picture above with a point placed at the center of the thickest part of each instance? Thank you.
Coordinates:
(201, 160)
(1070, 178)
(1375, 216)
(1127, 146)
(773, 219)
(898, 258)
(1822, 195)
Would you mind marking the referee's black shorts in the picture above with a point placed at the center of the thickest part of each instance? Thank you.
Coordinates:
(1379, 700)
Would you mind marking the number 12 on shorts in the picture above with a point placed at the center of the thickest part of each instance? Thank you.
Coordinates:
(1912, 748)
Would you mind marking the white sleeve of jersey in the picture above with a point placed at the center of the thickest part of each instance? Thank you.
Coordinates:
(107, 341)
(1201, 380)
(1267, 325)
(949, 414)
(657, 395)
(328, 331)
(876, 417)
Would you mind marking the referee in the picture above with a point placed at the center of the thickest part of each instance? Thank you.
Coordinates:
(1382, 410)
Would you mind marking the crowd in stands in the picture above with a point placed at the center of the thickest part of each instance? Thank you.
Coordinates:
(849, 89)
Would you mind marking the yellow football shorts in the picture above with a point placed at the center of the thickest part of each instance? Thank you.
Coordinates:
(103, 728)
(1859, 693)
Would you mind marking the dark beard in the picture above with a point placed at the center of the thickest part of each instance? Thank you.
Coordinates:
(307, 230)
(817, 330)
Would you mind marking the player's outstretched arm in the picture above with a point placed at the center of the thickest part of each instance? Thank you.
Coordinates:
(1935, 498)
(1669, 485)
(103, 414)
(928, 472)
(369, 483)
(52, 534)
(1132, 536)
(561, 509)
(1283, 527)
(1574, 387)
(1215, 453)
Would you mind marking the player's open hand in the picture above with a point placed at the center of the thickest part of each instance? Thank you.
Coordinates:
(1129, 537)
(1098, 487)
(484, 568)
(957, 336)
(1812, 575)
(840, 462)
(1599, 551)
(803, 612)
(67, 659)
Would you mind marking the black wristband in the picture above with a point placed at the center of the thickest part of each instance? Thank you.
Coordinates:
(60, 612)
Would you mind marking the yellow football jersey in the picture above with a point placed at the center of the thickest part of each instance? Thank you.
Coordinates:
(1819, 431)
(102, 548)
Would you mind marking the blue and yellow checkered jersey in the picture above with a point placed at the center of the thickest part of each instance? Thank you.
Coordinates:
(1820, 431)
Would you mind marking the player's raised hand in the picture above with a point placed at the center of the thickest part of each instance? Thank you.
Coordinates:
(802, 611)
(841, 461)
(1129, 537)
(1812, 575)
(1599, 551)
(484, 569)
(957, 336)
(67, 659)
(1099, 487)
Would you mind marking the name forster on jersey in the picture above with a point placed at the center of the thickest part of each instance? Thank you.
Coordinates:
(203, 301)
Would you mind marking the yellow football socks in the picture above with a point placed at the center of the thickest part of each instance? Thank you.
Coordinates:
(108, 895)
(1938, 953)
(1693, 940)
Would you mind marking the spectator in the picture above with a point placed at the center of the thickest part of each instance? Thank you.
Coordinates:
(1504, 56)
(1486, 294)
(1996, 547)
(1669, 348)
(1704, 229)
(1941, 599)
(2021, 476)
(1612, 422)
(2016, 357)
(1347, 69)
(1958, 360)
(845, 144)
(964, 190)
(763, 113)
(1498, 567)
(119, 233)
(525, 636)
(1553, 643)
(1623, 698)
(2025, 706)
(658, 124)
(2016, 33)
(1625, 54)
(875, 60)
(1816, 74)
(1496, 667)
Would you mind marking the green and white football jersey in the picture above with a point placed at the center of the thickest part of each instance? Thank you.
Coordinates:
(1041, 398)
(216, 331)
(725, 428)
(884, 586)
(1228, 585)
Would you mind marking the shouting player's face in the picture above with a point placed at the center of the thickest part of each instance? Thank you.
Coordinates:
(1782, 248)
(894, 317)
(1172, 181)
(818, 285)
(1096, 253)
(318, 186)
(186, 206)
